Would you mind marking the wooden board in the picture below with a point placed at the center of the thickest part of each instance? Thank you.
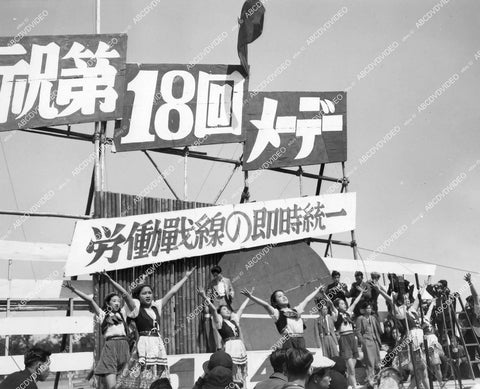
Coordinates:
(170, 105)
(61, 79)
(42, 325)
(60, 362)
(42, 289)
(294, 129)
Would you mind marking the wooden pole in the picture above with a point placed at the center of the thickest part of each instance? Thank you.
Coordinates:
(352, 233)
(43, 214)
(185, 174)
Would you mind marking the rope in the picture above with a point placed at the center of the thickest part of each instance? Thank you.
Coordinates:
(420, 261)
(226, 183)
(208, 174)
(15, 198)
(161, 174)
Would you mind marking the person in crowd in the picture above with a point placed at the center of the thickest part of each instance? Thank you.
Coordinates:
(374, 280)
(337, 289)
(407, 312)
(347, 342)
(360, 288)
(288, 320)
(112, 318)
(471, 317)
(324, 329)
(220, 289)
(150, 355)
(368, 333)
(319, 379)
(227, 323)
(298, 362)
(220, 292)
(395, 286)
(443, 318)
(161, 383)
(389, 378)
(37, 369)
(278, 379)
(435, 352)
(218, 373)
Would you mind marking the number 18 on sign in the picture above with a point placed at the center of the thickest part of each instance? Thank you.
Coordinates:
(170, 105)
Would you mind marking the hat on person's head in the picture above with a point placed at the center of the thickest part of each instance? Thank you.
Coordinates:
(219, 377)
(218, 358)
(340, 364)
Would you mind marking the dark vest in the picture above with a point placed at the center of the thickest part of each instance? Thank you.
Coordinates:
(227, 332)
(144, 322)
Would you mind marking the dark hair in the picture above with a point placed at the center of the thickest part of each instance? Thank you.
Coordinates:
(336, 302)
(36, 354)
(298, 362)
(273, 299)
(221, 306)
(444, 283)
(138, 289)
(335, 273)
(106, 300)
(277, 360)
(358, 273)
(161, 383)
(216, 269)
(366, 304)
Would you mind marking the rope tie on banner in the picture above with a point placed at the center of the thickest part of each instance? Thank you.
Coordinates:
(246, 193)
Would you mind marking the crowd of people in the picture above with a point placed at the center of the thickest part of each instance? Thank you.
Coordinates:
(418, 336)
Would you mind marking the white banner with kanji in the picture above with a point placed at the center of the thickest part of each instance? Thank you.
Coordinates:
(122, 242)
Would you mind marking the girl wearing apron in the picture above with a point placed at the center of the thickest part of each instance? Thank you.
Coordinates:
(150, 355)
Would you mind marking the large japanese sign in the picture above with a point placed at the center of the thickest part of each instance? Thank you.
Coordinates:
(180, 105)
(51, 80)
(295, 129)
(117, 243)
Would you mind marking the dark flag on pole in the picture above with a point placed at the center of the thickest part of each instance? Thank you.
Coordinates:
(250, 28)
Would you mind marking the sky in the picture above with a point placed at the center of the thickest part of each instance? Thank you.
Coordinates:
(387, 58)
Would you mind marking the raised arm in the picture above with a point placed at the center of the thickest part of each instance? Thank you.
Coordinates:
(83, 296)
(177, 286)
(468, 279)
(416, 303)
(271, 311)
(119, 288)
(329, 301)
(303, 304)
(243, 306)
(217, 318)
(354, 304)
(383, 293)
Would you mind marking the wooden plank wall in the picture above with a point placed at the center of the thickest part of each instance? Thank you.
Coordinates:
(183, 335)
